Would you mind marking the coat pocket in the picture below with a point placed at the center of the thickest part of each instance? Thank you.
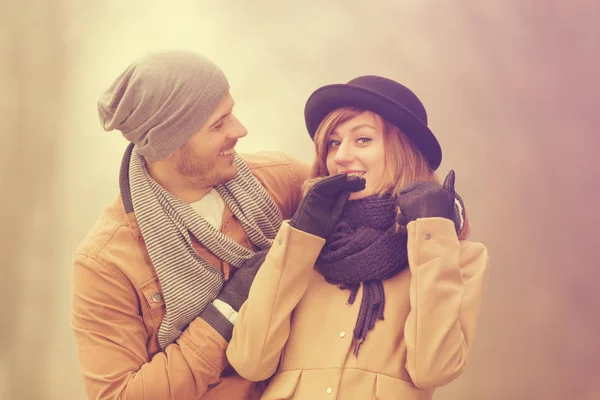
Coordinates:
(283, 385)
(389, 388)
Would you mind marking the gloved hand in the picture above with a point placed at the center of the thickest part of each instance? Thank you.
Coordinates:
(234, 292)
(321, 208)
(430, 199)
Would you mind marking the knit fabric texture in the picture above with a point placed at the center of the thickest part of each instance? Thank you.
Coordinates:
(364, 249)
(163, 99)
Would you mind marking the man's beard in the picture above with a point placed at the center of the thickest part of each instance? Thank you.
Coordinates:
(202, 172)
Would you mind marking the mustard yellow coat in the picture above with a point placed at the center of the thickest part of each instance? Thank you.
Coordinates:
(300, 327)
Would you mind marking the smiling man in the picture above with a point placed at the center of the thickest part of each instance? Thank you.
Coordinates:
(155, 287)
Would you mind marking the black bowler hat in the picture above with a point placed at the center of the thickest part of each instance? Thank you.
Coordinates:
(394, 102)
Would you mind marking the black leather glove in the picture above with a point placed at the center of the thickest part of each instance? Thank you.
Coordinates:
(322, 207)
(234, 292)
(430, 199)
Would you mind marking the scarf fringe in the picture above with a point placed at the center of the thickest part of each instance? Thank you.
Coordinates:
(364, 250)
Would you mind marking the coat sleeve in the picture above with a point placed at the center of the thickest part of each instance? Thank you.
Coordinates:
(448, 279)
(111, 343)
(263, 324)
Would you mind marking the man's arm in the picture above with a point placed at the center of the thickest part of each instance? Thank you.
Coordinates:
(300, 172)
(282, 176)
(112, 338)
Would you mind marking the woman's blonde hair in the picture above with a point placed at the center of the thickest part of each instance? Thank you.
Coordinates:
(403, 161)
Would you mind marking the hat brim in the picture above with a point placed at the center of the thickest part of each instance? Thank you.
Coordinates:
(328, 98)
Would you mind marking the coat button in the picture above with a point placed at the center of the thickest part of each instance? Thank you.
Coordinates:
(280, 241)
(156, 297)
(328, 390)
(342, 334)
(427, 236)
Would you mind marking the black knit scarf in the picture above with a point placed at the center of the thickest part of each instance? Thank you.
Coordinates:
(364, 249)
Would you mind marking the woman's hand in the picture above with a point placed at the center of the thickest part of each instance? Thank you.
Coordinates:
(430, 199)
(321, 208)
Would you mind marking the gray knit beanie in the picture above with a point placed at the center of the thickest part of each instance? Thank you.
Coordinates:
(162, 99)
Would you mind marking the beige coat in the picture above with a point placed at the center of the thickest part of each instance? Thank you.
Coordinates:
(296, 324)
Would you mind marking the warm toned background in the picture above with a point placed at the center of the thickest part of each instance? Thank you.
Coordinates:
(511, 87)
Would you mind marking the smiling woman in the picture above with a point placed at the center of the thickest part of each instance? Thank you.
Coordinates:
(361, 142)
(375, 223)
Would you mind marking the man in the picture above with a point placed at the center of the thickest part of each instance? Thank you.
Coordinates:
(155, 292)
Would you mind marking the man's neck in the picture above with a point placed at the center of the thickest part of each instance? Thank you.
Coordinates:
(189, 195)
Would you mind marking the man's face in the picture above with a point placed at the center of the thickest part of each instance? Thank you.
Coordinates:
(206, 160)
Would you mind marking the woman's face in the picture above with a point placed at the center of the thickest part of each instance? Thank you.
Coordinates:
(356, 147)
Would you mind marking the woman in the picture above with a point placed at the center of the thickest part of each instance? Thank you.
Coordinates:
(371, 290)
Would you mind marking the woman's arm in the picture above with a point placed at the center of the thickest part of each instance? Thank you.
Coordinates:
(448, 279)
(263, 323)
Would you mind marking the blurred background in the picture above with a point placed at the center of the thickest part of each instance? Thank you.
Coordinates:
(511, 88)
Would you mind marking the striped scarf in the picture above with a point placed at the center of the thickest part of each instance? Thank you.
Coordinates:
(188, 281)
